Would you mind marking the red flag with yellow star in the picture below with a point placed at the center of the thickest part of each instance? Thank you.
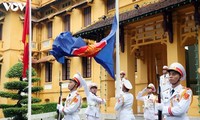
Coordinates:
(25, 39)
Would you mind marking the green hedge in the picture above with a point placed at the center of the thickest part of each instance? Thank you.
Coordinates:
(10, 112)
(48, 107)
(36, 109)
(35, 79)
(84, 105)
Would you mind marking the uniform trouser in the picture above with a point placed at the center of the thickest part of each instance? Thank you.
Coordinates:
(88, 117)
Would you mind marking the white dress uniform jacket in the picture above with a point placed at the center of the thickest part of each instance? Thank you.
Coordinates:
(164, 82)
(120, 88)
(150, 113)
(123, 107)
(93, 110)
(176, 105)
(71, 107)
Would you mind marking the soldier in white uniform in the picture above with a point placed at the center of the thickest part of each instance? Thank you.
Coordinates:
(73, 100)
(150, 113)
(124, 103)
(177, 98)
(164, 79)
(122, 75)
(93, 110)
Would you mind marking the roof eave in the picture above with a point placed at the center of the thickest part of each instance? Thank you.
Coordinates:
(150, 10)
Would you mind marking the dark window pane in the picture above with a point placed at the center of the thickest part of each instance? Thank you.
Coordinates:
(110, 4)
(67, 23)
(49, 27)
(66, 69)
(191, 69)
(0, 71)
(87, 16)
(48, 72)
(135, 64)
(32, 32)
(1, 31)
(86, 65)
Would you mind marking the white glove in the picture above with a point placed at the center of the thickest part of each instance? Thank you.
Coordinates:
(159, 106)
(120, 99)
(117, 96)
(83, 82)
(104, 101)
(23, 94)
(80, 75)
(59, 107)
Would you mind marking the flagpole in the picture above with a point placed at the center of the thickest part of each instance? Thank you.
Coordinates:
(30, 65)
(117, 51)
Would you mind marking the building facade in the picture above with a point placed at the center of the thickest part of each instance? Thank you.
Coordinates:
(167, 31)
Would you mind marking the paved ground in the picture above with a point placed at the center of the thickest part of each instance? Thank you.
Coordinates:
(51, 116)
(137, 117)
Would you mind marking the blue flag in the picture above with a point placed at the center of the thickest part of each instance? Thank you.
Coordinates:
(66, 45)
(105, 56)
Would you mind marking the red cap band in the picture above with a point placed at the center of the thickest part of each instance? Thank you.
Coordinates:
(78, 82)
(179, 70)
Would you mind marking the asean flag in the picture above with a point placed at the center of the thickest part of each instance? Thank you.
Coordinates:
(67, 45)
(89, 50)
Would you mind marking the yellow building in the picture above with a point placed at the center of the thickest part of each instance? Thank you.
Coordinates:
(149, 29)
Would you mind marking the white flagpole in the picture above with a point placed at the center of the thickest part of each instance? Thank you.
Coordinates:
(117, 51)
(30, 65)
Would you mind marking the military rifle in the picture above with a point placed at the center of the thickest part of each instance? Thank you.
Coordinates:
(60, 99)
(159, 90)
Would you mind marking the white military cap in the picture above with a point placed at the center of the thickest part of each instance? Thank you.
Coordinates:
(78, 79)
(127, 84)
(165, 67)
(178, 68)
(151, 86)
(92, 85)
(122, 72)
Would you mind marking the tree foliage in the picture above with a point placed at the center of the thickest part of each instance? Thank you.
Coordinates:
(13, 96)
(16, 71)
(33, 100)
(6, 106)
(15, 85)
(18, 90)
